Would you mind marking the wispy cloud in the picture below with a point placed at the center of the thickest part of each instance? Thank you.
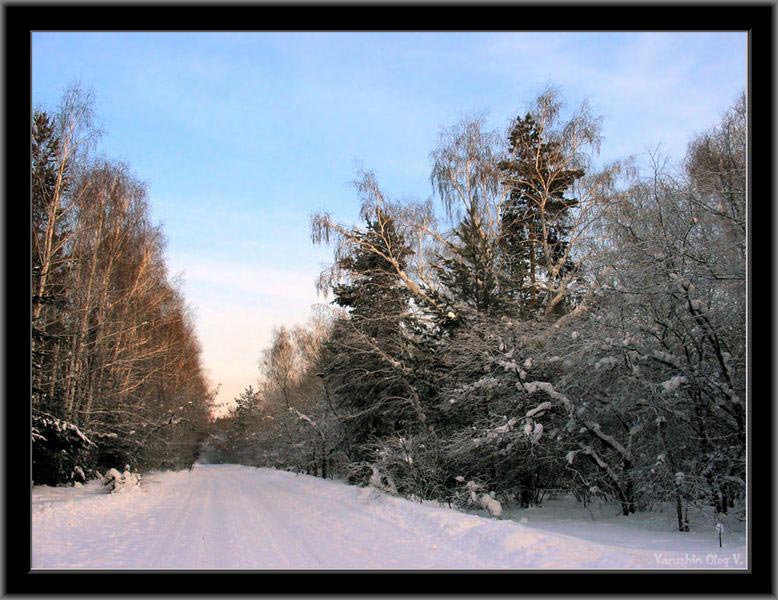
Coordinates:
(651, 87)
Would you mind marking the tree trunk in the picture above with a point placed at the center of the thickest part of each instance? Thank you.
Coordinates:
(629, 487)
(683, 524)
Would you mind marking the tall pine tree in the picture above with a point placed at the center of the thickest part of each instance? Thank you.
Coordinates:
(535, 217)
(49, 178)
(469, 272)
(466, 178)
(372, 350)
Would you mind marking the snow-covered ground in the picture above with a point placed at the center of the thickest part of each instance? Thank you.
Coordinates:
(236, 517)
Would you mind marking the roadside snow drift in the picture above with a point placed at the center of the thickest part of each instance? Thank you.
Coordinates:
(236, 517)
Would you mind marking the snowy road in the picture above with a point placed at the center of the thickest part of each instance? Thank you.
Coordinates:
(234, 517)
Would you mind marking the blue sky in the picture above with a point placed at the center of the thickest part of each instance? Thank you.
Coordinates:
(241, 136)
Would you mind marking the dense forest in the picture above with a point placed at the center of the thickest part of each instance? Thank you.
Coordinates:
(116, 374)
(545, 323)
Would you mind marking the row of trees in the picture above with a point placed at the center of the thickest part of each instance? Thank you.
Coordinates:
(288, 421)
(561, 327)
(116, 374)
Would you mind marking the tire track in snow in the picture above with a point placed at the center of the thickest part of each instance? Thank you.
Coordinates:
(349, 542)
(242, 552)
(161, 553)
(302, 556)
(356, 539)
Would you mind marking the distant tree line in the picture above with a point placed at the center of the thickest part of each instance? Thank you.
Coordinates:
(561, 327)
(116, 374)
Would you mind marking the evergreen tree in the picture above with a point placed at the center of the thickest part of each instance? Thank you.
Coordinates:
(535, 223)
(371, 353)
(45, 148)
(48, 261)
(247, 402)
(466, 179)
(469, 273)
(374, 294)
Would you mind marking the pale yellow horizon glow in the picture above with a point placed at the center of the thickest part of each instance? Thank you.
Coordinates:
(235, 307)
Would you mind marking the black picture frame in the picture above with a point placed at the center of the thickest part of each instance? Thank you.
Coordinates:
(19, 20)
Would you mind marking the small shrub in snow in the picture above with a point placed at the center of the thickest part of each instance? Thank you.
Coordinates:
(486, 501)
(490, 504)
(116, 482)
(78, 475)
(382, 481)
